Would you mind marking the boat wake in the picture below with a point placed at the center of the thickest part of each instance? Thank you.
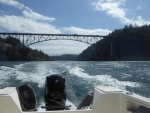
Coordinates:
(102, 79)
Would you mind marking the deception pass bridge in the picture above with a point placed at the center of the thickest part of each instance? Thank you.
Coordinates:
(28, 39)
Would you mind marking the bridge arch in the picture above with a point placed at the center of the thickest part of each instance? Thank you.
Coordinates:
(28, 39)
(58, 39)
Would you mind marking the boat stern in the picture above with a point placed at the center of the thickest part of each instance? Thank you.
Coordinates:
(9, 101)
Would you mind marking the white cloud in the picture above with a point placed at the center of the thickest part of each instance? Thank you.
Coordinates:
(113, 8)
(29, 13)
(22, 24)
(12, 3)
(35, 22)
(33, 15)
(76, 30)
(30, 22)
(140, 21)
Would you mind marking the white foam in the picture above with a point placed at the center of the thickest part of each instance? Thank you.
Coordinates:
(79, 72)
(44, 69)
(104, 79)
(6, 73)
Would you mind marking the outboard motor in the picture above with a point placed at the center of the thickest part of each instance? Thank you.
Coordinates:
(27, 98)
(55, 93)
(87, 101)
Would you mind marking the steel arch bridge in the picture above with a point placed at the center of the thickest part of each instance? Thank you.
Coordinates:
(28, 39)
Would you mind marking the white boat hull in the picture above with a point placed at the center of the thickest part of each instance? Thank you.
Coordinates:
(106, 100)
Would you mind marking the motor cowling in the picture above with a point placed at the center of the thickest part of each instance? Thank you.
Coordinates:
(27, 98)
(55, 92)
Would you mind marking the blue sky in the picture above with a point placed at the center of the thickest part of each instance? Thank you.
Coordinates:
(98, 17)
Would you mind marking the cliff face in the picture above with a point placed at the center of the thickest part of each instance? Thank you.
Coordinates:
(12, 50)
(5, 50)
(129, 44)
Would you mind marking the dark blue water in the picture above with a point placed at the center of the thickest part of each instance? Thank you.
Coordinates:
(80, 76)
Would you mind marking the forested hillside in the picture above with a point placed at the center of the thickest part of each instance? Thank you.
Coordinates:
(11, 49)
(131, 43)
